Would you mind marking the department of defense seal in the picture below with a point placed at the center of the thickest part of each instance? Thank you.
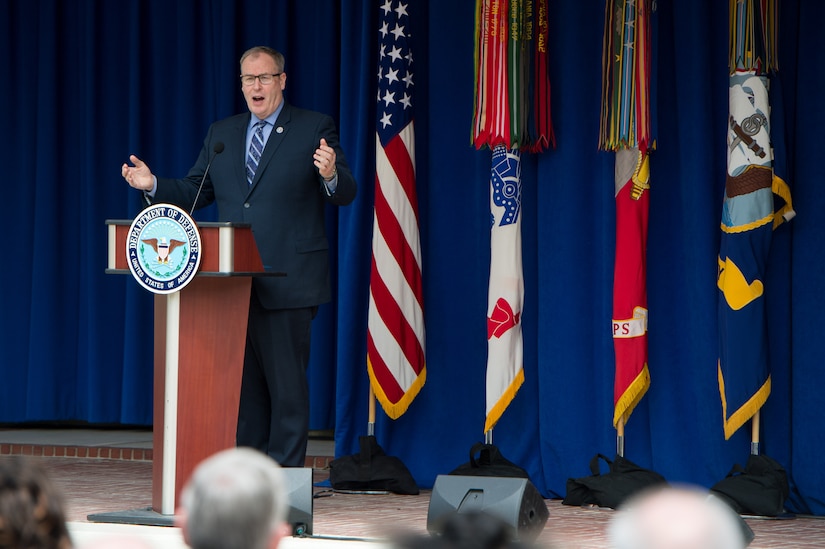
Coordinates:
(163, 248)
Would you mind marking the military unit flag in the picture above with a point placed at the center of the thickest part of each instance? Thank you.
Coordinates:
(512, 114)
(748, 215)
(626, 129)
(505, 297)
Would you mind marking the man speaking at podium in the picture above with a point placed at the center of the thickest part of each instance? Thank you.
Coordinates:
(273, 168)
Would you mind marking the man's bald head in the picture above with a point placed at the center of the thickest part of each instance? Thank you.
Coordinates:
(676, 518)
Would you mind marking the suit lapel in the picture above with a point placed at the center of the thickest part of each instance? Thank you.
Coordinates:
(276, 137)
(240, 136)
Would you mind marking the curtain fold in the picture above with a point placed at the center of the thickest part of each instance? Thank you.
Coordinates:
(88, 82)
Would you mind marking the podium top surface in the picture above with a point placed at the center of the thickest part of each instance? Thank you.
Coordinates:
(228, 249)
(204, 224)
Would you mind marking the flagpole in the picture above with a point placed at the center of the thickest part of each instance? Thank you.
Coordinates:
(620, 437)
(755, 433)
(371, 419)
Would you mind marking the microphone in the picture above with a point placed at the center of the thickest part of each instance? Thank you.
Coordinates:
(217, 149)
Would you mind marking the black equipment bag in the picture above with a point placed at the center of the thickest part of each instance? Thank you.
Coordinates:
(624, 479)
(760, 488)
(489, 463)
(371, 469)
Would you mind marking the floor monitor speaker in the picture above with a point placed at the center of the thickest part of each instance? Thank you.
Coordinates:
(299, 487)
(515, 501)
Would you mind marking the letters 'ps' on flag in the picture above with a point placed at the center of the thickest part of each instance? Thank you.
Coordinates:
(626, 129)
(749, 215)
(511, 114)
(395, 337)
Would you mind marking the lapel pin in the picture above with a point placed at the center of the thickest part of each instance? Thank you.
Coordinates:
(279, 129)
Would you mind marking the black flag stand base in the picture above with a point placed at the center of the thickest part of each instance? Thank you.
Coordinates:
(760, 488)
(371, 471)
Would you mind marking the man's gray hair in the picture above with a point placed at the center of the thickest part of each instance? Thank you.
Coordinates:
(235, 499)
(276, 56)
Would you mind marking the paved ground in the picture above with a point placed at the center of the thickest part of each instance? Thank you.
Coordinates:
(102, 485)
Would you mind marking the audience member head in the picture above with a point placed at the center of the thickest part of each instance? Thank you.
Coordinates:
(466, 530)
(676, 518)
(31, 508)
(235, 499)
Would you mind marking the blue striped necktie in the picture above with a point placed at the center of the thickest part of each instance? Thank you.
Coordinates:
(256, 148)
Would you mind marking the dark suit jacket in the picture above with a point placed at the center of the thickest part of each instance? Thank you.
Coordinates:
(284, 205)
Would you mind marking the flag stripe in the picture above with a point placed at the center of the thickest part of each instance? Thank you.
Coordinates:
(396, 251)
(398, 155)
(387, 272)
(397, 220)
(387, 383)
(388, 310)
(385, 343)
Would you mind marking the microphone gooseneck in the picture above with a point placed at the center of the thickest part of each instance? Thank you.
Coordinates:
(216, 150)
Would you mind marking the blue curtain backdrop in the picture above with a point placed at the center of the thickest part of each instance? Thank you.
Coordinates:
(86, 83)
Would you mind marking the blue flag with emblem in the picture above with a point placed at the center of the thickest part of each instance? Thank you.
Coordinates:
(748, 219)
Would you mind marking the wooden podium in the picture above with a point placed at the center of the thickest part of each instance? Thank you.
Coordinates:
(200, 337)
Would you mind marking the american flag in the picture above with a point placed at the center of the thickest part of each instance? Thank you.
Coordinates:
(395, 338)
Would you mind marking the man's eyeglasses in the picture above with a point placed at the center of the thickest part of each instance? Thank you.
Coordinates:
(266, 79)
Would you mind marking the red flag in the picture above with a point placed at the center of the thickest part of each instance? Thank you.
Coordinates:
(629, 282)
(625, 128)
